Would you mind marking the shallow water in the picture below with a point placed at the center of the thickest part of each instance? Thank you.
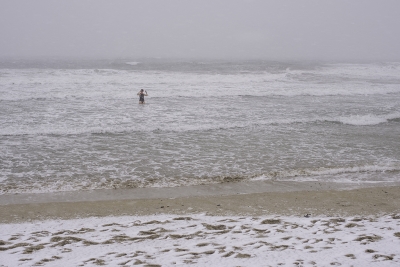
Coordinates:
(77, 126)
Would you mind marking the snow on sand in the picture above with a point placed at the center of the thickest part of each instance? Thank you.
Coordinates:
(200, 240)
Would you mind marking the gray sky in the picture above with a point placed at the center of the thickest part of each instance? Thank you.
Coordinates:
(276, 29)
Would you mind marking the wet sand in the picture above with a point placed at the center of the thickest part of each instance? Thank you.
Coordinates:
(316, 202)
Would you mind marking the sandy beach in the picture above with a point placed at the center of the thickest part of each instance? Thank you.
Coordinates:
(282, 227)
(279, 200)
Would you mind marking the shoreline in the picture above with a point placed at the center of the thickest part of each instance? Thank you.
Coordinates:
(282, 199)
(217, 189)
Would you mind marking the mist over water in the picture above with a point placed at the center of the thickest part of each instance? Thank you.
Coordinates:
(240, 29)
(78, 125)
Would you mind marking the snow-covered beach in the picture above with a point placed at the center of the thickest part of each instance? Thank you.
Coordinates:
(359, 227)
(200, 240)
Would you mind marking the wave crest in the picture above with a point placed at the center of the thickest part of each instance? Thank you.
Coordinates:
(365, 120)
(339, 174)
(355, 120)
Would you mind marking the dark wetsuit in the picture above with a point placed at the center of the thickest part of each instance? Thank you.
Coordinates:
(141, 97)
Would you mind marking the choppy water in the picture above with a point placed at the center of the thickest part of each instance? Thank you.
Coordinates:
(79, 126)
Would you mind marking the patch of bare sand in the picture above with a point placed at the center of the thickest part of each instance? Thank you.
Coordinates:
(363, 201)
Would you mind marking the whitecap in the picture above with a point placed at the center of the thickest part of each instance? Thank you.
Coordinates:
(369, 119)
(133, 63)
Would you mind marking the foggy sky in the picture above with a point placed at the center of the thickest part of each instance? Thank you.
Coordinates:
(276, 29)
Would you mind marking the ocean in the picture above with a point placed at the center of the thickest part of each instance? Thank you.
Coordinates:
(77, 125)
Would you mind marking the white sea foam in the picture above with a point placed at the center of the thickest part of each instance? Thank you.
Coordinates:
(333, 174)
(369, 119)
(46, 84)
(133, 63)
(129, 126)
(384, 173)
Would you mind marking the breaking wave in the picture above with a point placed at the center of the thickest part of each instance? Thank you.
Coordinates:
(127, 128)
(340, 175)
(369, 119)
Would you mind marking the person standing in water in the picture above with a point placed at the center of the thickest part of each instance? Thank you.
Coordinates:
(141, 95)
